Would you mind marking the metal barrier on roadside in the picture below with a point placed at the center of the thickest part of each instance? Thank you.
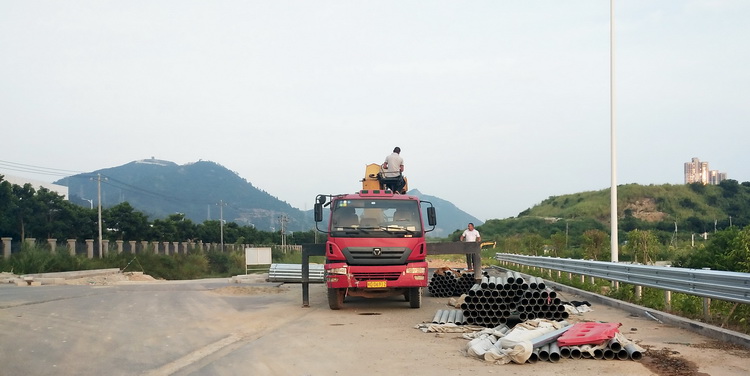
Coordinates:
(714, 284)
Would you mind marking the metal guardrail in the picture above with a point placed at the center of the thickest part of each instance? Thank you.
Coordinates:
(714, 284)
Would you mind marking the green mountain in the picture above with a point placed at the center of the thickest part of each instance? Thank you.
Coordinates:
(691, 208)
(202, 190)
(207, 190)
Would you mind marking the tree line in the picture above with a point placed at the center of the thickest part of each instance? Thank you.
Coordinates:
(26, 212)
(727, 249)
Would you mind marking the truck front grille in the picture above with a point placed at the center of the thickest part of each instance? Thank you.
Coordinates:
(376, 255)
(388, 276)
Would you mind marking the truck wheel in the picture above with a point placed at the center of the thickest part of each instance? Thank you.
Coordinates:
(415, 297)
(336, 298)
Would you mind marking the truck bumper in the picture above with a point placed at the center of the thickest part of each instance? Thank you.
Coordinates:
(341, 275)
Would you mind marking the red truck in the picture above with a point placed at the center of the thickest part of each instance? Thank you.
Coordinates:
(376, 242)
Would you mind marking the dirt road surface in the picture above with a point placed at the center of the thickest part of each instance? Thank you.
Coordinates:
(216, 327)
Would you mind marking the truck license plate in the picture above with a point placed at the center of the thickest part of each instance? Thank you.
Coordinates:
(375, 284)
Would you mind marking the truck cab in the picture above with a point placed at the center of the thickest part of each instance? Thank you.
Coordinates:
(375, 245)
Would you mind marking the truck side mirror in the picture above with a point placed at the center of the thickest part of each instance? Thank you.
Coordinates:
(431, 217)
(318, 212)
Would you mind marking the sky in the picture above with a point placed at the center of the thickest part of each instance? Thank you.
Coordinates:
(496, 105)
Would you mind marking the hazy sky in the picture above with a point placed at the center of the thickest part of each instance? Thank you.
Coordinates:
(496, 105)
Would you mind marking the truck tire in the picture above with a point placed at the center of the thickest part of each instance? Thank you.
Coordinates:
(336, 298)
(415, 297)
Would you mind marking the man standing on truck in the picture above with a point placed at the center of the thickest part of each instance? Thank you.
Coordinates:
(471, 234)
(393, 167)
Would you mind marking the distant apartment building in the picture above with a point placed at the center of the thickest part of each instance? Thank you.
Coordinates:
(698, 172)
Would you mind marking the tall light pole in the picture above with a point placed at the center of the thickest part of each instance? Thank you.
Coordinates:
(613, 144)
(91, 202)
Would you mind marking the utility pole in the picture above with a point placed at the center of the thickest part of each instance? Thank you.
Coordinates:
(283, 219)
(221, 222)
(99, 195)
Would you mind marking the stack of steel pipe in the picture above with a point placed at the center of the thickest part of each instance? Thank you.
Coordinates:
(442, 284)
(613, 350)
(293, 273)
(495, 299)
(464, 283)
(450, 282)
(449, 316)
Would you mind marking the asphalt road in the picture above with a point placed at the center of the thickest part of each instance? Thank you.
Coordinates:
(216, 327)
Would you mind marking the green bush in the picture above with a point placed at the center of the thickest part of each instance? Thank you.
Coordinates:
(193, 266)
(689, 306)
(31, 260)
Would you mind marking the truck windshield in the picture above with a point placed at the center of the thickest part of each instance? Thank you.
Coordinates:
(366, 218)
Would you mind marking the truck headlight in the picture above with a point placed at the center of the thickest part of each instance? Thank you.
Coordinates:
(341, 270)
(414, 270)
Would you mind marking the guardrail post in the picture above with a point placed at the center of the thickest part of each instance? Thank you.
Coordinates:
(638, 293)
(583, 278)
(667, 300)
(592, 281)
(706, 308)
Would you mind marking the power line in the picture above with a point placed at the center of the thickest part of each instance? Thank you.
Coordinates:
(134, 189)
(13, 166)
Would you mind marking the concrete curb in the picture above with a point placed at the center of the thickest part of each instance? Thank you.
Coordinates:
(73, 274)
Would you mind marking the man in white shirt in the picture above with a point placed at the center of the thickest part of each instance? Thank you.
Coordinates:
(471, 234)
(393, 167)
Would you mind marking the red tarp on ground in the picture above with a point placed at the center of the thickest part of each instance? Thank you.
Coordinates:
(585, 333)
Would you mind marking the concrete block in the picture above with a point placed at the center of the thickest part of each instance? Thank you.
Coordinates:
(51, 281)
